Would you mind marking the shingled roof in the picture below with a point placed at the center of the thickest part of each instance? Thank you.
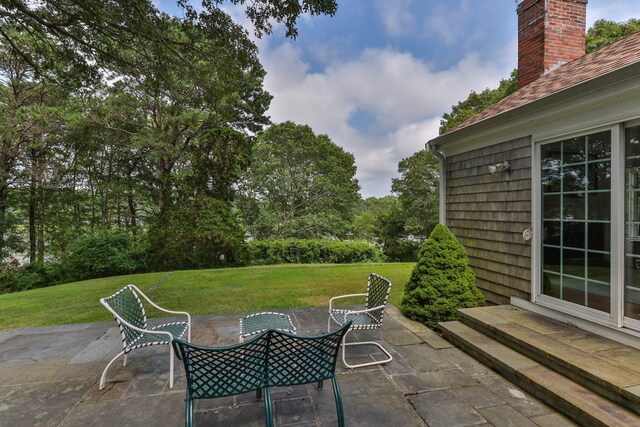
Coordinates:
(610, 58)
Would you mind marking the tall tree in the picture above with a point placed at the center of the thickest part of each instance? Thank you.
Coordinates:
(87, 34)
(417, 189)
(299, 184)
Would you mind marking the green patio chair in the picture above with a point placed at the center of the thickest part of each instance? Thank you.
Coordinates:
(129, 313)
(273, 358)
(368, 317)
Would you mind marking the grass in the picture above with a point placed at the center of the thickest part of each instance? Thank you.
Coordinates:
(228, 290)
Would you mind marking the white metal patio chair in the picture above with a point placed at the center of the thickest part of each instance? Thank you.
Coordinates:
(367, 318)
(129, 312)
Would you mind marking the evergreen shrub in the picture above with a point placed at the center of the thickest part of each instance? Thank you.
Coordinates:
(441, 282)
(302, 251)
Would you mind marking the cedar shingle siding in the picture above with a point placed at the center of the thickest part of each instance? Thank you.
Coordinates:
(488, 214)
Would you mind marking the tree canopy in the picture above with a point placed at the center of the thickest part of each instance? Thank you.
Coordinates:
(299, 185)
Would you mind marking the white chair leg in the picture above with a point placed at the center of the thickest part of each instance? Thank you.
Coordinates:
(360, 365)
(124, 363)
(104, 373)
(329, 324)
(170, 365)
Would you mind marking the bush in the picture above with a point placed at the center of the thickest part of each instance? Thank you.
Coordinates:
(441, 282)
(15, 277)
(300, 251)
(104, 253)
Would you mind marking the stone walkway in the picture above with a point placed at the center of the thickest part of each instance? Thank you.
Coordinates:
(49, 377)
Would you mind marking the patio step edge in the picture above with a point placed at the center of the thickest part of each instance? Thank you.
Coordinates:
(572, 399)
(480, 321)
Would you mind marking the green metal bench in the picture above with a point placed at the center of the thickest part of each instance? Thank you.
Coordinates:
(271, 359)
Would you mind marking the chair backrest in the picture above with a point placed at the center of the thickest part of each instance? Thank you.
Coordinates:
(272, 358)
(294, 360)
(223, 371)
(378, 289)
(126, 305)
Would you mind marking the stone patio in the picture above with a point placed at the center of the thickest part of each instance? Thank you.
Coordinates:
(49, 377)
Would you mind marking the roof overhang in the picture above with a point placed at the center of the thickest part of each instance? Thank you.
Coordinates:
(513, 123)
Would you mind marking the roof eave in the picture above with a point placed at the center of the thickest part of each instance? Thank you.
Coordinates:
(591, 85)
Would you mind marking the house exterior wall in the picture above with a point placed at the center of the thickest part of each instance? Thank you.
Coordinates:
(488, 213)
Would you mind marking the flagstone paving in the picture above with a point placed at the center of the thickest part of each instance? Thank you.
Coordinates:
(49, 377)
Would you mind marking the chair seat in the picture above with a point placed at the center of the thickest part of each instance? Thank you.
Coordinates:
(176, 329)
(360, 320)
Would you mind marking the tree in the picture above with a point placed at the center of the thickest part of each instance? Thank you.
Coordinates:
(441, 282)
(88, 34)
(366, 222)
(604, 32)
(477, 102)
(417, 189)
(299, 185)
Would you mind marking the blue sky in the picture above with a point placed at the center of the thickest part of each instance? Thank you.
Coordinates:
(377, 76)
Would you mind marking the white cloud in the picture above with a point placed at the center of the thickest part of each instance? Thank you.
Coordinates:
(396, 16)
(402, 93)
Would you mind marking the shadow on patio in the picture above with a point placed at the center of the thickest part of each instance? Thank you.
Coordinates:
(49, 376)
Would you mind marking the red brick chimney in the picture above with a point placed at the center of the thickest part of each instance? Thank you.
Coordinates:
(550, 33)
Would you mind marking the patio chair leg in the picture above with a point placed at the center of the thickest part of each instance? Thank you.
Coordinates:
(170, 365)
(329, 324)
(360, 365)
(124, 362)
(338, 397)
(104, 373)
(268, 410)
(188, 416)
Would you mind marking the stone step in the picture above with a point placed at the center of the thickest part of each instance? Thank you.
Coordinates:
(577, 402)
(608, 368)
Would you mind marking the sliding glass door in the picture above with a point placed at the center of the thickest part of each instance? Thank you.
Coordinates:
(632, 224)
(576, 220)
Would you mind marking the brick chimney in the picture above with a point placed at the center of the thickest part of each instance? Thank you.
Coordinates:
(550, 33)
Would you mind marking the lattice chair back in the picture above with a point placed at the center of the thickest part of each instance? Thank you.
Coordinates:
(223, 371)
(127, 305)
(295, 360)
(378, 289)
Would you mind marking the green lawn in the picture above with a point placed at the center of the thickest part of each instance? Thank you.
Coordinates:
(229, 290)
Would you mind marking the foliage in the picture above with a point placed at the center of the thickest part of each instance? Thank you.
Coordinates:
(441, 282)
(604, 32)
(299, 185)
(418, 189)
(395, 242)
(15, 277)
(366, 222)
(477, 102)
(104, 253)
(298, 251)
(225, 290)
(90, 35)
(199, 232)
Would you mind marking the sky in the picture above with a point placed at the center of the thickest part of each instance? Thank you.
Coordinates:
(378, 76)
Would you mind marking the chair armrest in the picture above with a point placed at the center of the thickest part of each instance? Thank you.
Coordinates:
(184, 313)
(368, 310)
(344, 296)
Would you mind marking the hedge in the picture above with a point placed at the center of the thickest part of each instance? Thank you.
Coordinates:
(299, 251)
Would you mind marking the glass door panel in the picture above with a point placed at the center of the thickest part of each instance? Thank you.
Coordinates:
(632, 224)
(576, 220)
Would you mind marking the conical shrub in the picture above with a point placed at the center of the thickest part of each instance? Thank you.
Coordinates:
(441, 282)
